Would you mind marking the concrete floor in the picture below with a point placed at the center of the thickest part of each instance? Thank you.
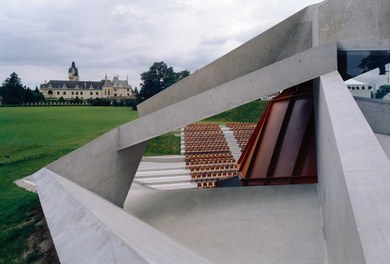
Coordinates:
(384, 140)
(268, 224)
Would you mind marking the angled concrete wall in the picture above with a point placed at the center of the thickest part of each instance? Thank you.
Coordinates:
(267, 80)
(353, 174)
(353, 20)
(88, 229)
(364, 44)
(99, 167)
(377, 114)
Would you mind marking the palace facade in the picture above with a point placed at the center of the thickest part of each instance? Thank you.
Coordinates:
(72, 88)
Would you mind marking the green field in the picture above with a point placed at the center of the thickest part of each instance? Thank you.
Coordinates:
(250, 112)
(32, 137)
(167, 144)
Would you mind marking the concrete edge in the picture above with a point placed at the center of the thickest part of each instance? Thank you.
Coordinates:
(365, 170)
(77, 216)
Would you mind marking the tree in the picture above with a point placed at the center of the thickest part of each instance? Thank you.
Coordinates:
(136, 91)
(382, 91)
(32, 96)
(12, 91)
(38, 95)
(29, 96)
(158, 78)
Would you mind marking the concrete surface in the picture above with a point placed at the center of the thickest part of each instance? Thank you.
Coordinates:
(353, 20)
(267, 224)
(99, 166)
(353, 173)
(384, 140)
(232, 143)
(291, 71)
(377, 113)
(88, 229)
(163, 175)
(363, 44)
(27, 183)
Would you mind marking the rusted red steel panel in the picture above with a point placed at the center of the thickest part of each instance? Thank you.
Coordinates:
(306, 164)
(248, 152)
(282, 148)
(262, 158)
(291, 138)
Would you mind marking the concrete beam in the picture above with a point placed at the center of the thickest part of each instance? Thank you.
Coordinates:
(353, 20)
(88, 229)
(286, 73)
(353, 174)
(363, 44)
(99, 167)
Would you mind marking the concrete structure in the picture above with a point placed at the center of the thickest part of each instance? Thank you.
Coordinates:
(353, 190)
(352, 205)
(217, 222)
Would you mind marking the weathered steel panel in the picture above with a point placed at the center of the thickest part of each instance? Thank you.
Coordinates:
(282, 148)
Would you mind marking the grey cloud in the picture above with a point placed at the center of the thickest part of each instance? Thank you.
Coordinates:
(122, 37)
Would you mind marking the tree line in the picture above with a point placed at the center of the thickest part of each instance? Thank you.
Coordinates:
(12, 91)
(159, 77)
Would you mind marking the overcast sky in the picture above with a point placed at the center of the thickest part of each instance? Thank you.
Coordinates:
(40, 38)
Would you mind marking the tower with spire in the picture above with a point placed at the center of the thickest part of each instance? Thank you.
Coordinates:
(73, 73)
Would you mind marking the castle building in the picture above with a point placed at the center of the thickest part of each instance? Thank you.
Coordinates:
(119, 89)
(72, 88)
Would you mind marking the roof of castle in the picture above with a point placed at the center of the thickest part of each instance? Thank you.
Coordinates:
(57, 84)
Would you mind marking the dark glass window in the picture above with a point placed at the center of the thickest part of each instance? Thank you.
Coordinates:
(352, 63)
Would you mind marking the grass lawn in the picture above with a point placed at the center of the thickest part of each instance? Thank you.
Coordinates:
(250, 112)
(30, 138)
(167, 144)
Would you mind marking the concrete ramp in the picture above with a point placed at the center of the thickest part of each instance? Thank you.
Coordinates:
(267, 224)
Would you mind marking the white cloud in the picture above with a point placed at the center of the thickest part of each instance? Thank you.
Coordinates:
(39, 39)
